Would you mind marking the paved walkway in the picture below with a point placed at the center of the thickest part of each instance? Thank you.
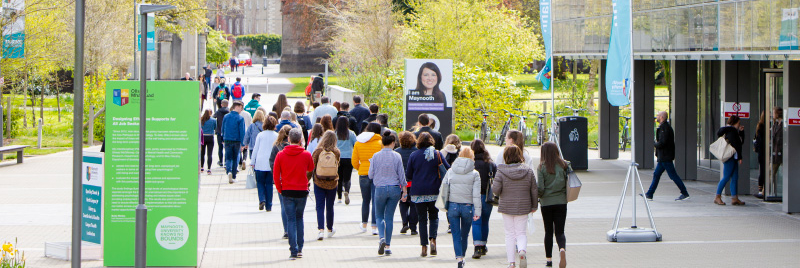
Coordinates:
(36, 205)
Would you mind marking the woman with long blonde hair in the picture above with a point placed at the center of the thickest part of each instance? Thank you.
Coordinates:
(325, 184)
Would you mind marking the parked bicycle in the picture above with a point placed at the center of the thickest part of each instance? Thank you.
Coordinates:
(501, 139)
(626, 137)
(522, 126)
(575, 111)
(485, 130)
(541, 128)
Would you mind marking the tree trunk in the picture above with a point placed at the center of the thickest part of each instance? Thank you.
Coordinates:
(41, 105)
(58, 102)
(24, 102)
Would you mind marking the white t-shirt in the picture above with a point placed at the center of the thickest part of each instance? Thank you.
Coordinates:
(528, 159)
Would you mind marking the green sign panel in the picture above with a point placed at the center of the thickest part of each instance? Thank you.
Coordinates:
(171, 172)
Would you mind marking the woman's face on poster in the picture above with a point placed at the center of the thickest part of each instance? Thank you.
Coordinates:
(429, 78)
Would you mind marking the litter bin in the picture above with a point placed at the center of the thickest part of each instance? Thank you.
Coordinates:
(573, 139)
(264, 60)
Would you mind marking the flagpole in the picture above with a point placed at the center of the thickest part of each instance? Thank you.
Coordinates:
(633, 122)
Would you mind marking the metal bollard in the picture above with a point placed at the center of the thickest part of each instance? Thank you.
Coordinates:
(90, 134)
(39, 140)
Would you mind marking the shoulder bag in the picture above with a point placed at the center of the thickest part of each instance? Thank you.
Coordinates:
(573, 184)
(491, 199)
(721, 149)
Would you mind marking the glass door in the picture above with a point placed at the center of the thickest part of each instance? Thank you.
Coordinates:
(773, 184)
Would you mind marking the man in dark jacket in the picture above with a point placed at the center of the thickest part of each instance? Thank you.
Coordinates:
(352, 123)
(425, 122)
(233, 135)
(383, 119)
(373, 115)
(220, 115)
(665, 152)
(359, 111)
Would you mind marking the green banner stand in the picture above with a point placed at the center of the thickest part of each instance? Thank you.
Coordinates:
(173, 130)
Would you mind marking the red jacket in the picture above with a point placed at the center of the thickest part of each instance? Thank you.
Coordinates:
(291, 165)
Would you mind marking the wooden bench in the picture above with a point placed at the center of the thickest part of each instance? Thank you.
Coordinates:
(13, 148)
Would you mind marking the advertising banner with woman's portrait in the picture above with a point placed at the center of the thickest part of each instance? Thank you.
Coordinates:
(429, 90)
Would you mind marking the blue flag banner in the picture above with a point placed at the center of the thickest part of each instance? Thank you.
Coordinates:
(544, 16)
(618, 66)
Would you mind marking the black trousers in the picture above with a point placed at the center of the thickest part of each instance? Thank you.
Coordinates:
(408, 212)
(345, 172)
(762, 170)
(220, 149)
(207, 150)
(427, 212)
(554, 217)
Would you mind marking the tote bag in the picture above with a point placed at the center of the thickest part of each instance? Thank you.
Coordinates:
(251, 179)
(722, 150)
(573, 185)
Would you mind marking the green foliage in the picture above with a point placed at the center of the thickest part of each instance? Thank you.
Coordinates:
(217, 48)
(16, 120)
(576, 95)
(478, 33)
(256, 42)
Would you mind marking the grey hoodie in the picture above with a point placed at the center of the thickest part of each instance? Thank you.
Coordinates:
(515, 184)
(462, 184)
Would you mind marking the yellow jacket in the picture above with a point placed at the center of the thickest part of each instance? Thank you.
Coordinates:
(367, 144)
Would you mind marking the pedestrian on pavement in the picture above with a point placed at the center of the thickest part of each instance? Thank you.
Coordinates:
(187, 77)
(734, 134)
(665, 154)
(219, 115)
(359, 111)
(286, 118)
(253, 105)
(776, 139)
(221, 92)
(373, 115)
(313, 139)
(367, 144)
(248, 120)
(452, 148)
(260, 163)
(423, 172)
(383, 119)
(408, 213)
(207, 73)
(325, 108)
(552, 191)
(758, 147)
(220, 72)
(326, 178)
(281, 142)
(515, 184)
(233, 64)
(486, 169)
(302, 118)
(386, 172)
(327, 122)
(237, 90)
(208, 124)
(345, 140)
(352, 123)
(280, 104)
(515, 137)
(233, 131)
(211, 96)
(461, 193)
(291, 181)
(252, 132)
(424, 121)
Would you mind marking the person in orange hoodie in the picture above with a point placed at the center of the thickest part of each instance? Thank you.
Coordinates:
(367, 144)
(289, 172)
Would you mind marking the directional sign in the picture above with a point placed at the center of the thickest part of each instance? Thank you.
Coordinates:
(741, 109)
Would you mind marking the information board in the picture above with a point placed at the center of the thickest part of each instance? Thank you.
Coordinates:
(173, 130)
(429, 90)
(91, 210)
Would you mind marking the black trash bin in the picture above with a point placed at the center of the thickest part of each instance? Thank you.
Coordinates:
(573, 139)
(264, 60)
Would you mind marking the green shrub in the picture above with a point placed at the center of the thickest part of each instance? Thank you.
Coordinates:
(16, 119)
(256, 42)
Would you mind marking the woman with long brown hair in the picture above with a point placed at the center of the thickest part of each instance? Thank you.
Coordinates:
(208, 124)
(515, 137)
(327, 122)
(280, 104)
(552, 185)
(313, 138)
(486, 168)
(734, 134)
(325, 183)
(345, 140)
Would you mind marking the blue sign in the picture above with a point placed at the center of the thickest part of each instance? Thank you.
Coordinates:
(618, 66)
(92, 195)
(544, 75)
(13, 31)
(788, 37)
(151, 34)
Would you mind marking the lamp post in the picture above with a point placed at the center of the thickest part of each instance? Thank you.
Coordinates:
(141, 209)
(77, 134)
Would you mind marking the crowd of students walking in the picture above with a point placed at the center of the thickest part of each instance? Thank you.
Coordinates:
(417, 171)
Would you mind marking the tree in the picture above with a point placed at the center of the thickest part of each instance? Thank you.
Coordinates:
(217, 48)
(478, 33)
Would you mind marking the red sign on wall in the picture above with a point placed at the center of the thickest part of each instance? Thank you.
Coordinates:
(793, 114)
(741, 109)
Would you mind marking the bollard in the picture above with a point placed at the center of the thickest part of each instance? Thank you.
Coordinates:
(8, 115)
(90, 134)
(39, 140)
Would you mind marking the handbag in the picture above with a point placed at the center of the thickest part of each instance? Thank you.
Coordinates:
(442, 169)
(573, 184)
(531, 224)
(721, 149)
(491, 199)
(440, 203)
(251, 179)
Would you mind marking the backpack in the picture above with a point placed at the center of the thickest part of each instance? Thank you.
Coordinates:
(238, 91)
(221, 92)
(327, 166)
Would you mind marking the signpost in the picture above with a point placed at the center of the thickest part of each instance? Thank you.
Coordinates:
(740, 109)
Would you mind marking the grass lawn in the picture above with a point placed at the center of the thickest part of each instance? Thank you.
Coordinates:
(56, 136)
(300, 83)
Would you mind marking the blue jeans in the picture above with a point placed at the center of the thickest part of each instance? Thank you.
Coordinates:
(460, 216)
(730, 172)
(294, 213)
(324, 198)
(264, 185)
(480, 228)
(673, 175)
(386, 199)
(284, 219)
(232, 149)
(367, 191)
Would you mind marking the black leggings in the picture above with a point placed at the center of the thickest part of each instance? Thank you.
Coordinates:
(206, 150)
(554, 217)
(345, 172)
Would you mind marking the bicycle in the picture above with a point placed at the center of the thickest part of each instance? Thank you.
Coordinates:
(523, 124)
(485, 130)
(541, 129)
(575, 112)
(626, 138)
(501, 139)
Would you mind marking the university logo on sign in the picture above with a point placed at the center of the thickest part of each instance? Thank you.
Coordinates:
(121, 96)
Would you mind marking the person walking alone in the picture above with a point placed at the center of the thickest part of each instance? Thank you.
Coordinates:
(665, 153)
(208, 124)
(515, 184)
(734, 134)
(552, 190)
(486, 169)
(461, 193)
(423, 172)
(289, 173)
(367, 144)
(408, 213)
(386, 172)
(326, 178)
(259, 162)
(233, 131)
(345, 140)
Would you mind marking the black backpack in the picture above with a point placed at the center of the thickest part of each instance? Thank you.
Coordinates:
(305, 130)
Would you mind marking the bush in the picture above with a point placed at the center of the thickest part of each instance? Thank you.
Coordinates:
(256, 43)
(16, 118)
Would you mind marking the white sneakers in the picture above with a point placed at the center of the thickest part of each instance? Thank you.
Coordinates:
(321, 235)
(230, 178)
(331, 232)
(362, 229)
